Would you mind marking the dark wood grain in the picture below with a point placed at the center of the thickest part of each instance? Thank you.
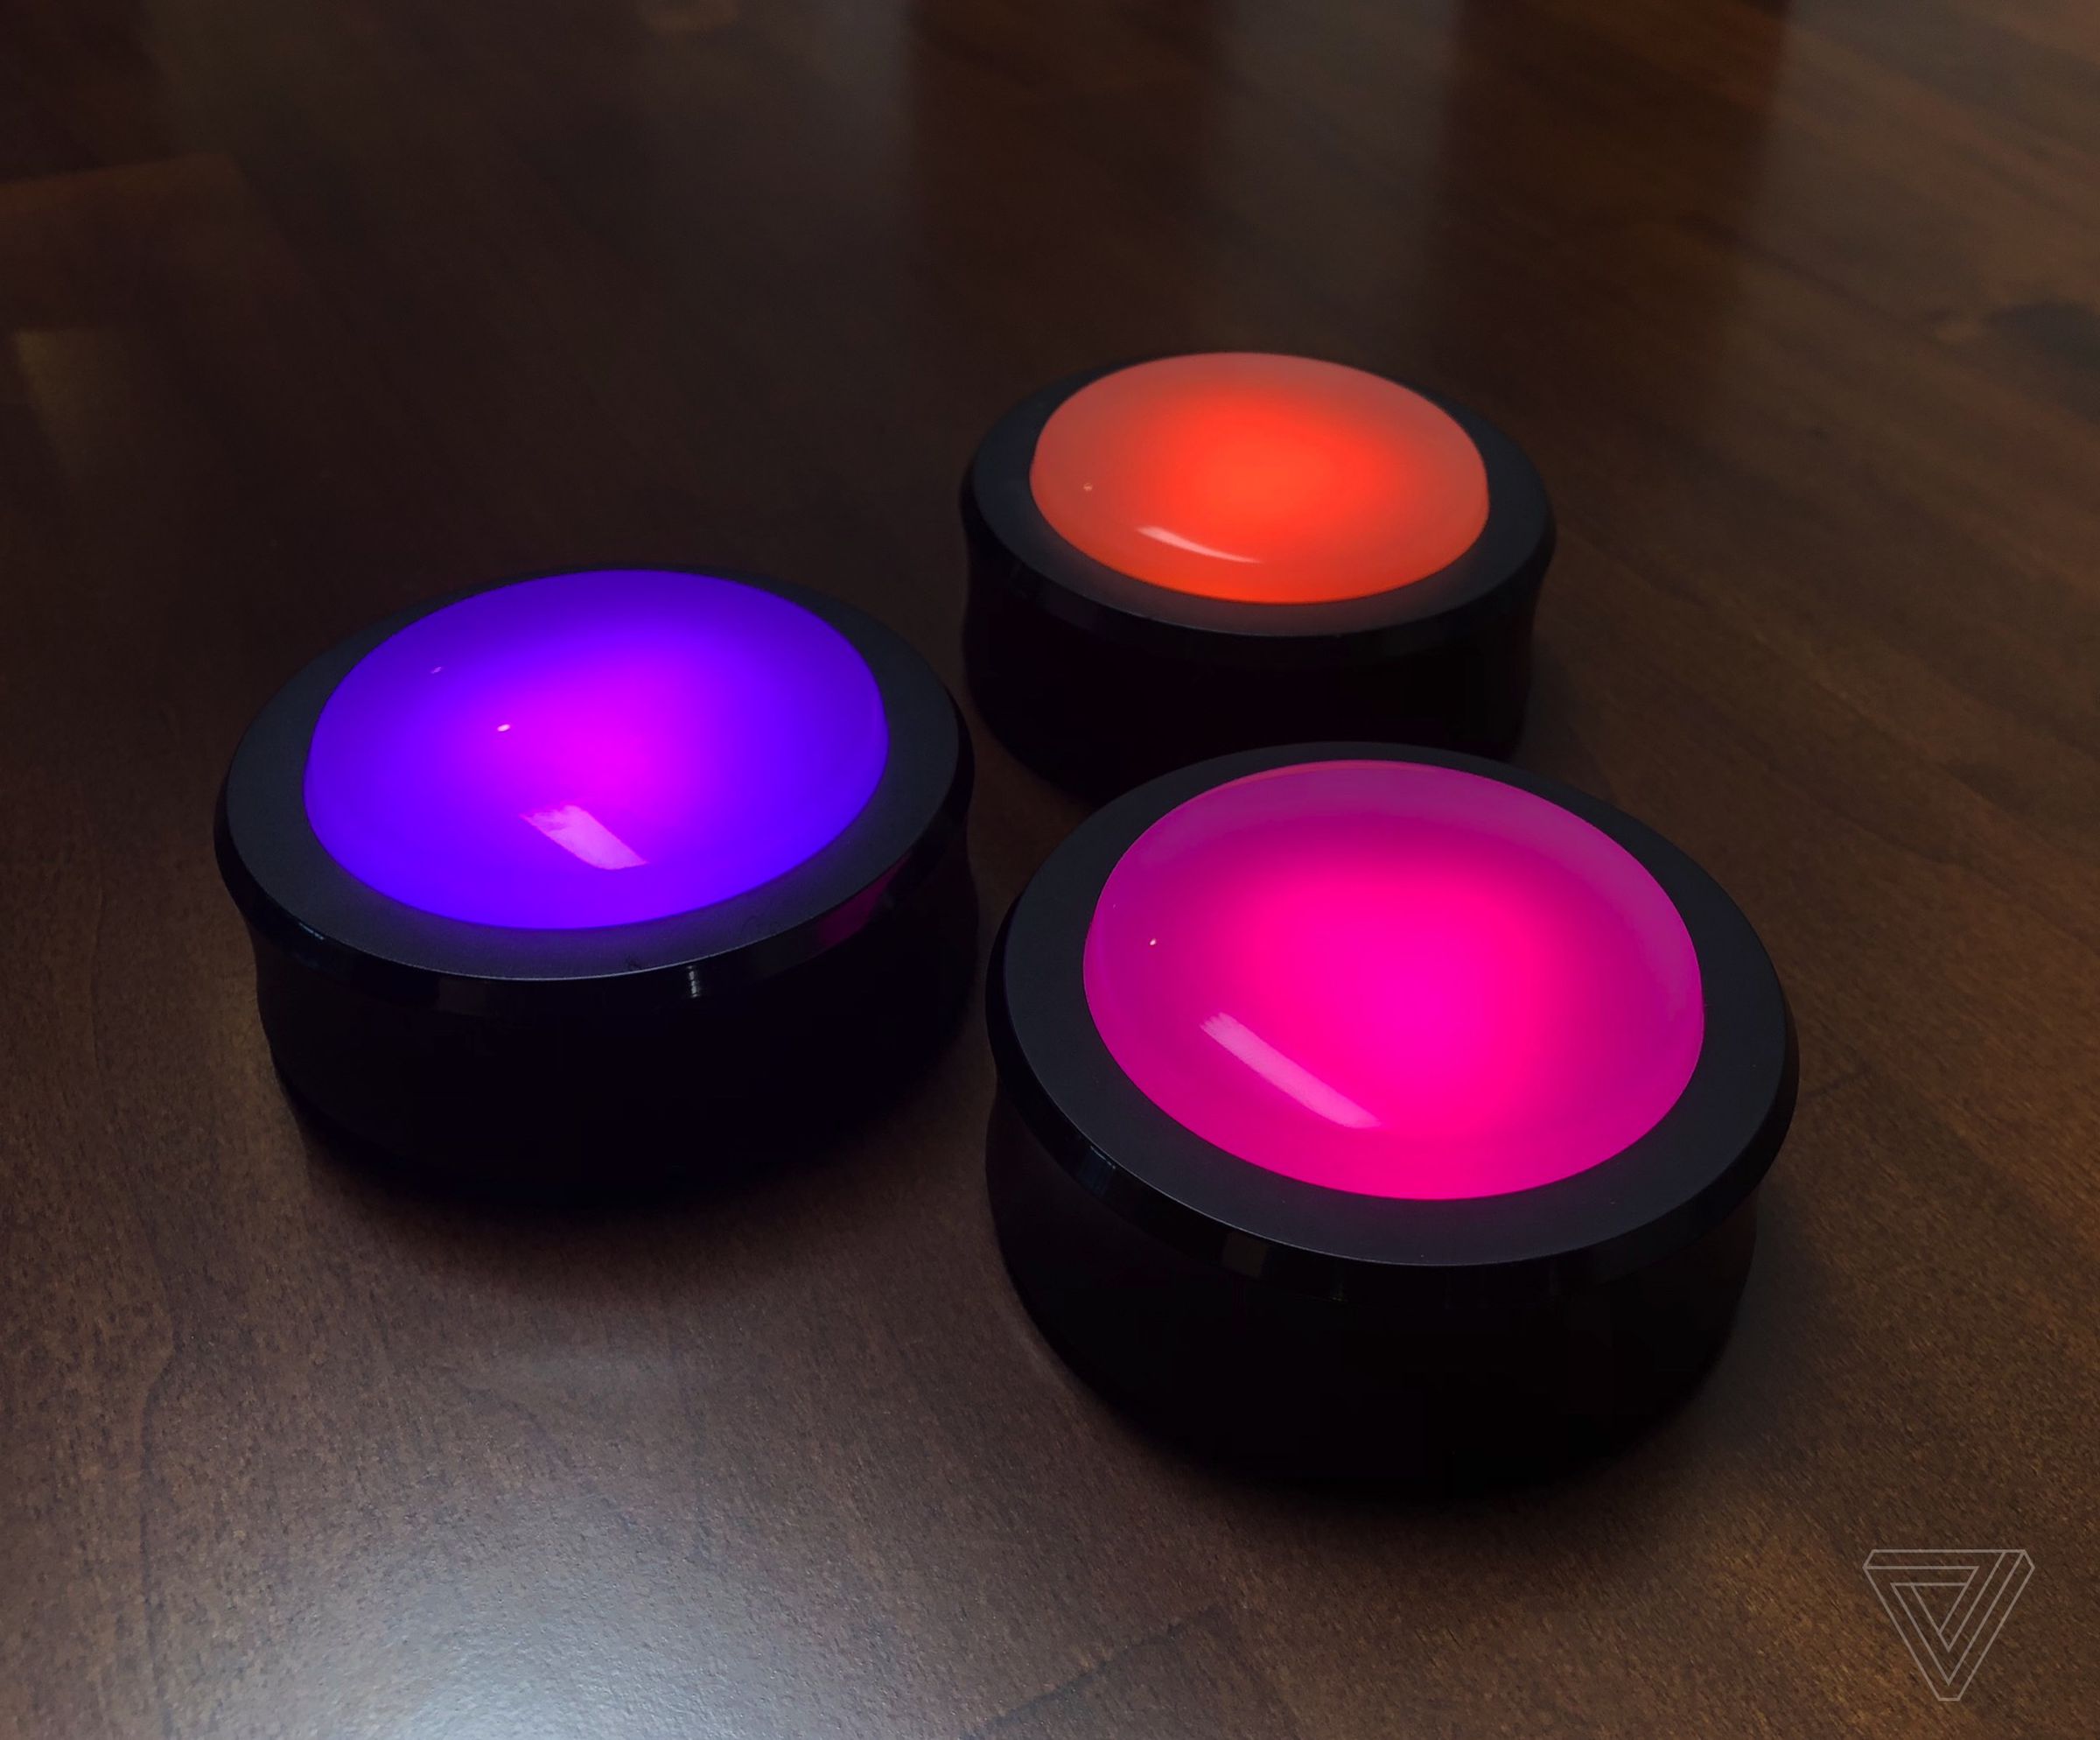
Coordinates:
(311, 308)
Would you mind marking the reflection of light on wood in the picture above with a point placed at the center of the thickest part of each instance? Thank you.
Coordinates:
(1294, 1079)
(576, 830)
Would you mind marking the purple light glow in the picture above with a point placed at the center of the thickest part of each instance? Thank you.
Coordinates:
(1395, 979)
(595, 748)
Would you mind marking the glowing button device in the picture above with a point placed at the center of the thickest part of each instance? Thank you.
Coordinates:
(601, 872)
(1200, 553)
(1381, 1110)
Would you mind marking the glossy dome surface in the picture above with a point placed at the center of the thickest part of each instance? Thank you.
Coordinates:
(1259, 479)
(595, 748)
(1396, 979)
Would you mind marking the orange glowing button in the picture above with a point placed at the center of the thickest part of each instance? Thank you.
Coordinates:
(1260, 479)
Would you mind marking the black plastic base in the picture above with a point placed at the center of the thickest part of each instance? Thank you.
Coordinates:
(709, 1086)
(1098, 716)
(1253, 1372)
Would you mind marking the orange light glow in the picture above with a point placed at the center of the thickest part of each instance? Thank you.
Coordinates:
(1264, 480)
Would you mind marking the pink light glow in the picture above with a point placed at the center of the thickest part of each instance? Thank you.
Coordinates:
(1395, 979)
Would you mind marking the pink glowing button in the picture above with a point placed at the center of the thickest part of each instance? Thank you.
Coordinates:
(1395, 979)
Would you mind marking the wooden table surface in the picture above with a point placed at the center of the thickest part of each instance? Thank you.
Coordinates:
(314, 308)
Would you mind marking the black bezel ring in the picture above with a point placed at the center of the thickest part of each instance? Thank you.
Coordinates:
(1509, 557)
(1708, 1152)
(288, 887)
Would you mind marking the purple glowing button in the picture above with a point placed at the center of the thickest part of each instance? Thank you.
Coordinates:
(1396, 979)
(595, 748)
